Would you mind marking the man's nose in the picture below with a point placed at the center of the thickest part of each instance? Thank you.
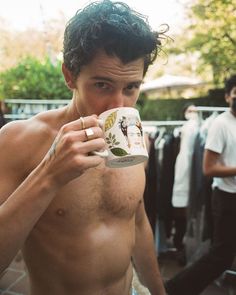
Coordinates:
(117, 99)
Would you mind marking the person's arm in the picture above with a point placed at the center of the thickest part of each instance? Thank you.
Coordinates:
(212, 166)
(23, 199)
(20, 209)
(144, 256)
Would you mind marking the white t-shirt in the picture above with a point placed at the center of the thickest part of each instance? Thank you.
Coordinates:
(221, 139)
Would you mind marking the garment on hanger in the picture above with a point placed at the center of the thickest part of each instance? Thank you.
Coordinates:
(199, 220)
(181, 188)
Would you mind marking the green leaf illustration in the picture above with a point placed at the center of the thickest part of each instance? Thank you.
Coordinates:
(119, 152)
(110, 120)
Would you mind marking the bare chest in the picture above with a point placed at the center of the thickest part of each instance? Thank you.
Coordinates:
(99, 194)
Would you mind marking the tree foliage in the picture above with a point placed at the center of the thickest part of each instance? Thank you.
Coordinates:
(33, 79)
(16, 45)
(212, 33)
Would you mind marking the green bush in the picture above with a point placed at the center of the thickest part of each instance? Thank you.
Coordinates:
(33, 79)
(172, 109)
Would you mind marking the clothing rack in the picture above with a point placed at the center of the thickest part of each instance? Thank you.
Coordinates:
(209, 109)
(200, 109)
(163, 123)
(151, 126)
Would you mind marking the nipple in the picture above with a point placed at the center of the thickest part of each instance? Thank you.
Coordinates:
(61, 212)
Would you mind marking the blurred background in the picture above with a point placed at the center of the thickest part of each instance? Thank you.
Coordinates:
(198, 52)
(198, 55)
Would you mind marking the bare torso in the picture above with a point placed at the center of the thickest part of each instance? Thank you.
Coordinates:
(83, 242)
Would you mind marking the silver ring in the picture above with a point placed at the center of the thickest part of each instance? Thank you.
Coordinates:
(82, 122)
(89, 133)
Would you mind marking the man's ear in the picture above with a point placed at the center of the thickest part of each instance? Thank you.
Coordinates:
(68, 77)
(227, 97)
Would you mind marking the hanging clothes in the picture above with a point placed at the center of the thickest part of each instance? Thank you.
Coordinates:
(150, 192)
(199, 217)
(168, 149)
(181, 188)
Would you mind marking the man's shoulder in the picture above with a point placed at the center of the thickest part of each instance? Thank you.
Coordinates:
(30, 134)
(19, 129)
(220, 120)
(218, 128)
(224, 116)
(23, 143)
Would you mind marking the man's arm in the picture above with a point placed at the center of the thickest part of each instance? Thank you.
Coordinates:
(20, 212)
(214, 168)
(23, 199)
(144, 256)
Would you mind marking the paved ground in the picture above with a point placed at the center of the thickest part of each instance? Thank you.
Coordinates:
(15, 280)
(169, 267)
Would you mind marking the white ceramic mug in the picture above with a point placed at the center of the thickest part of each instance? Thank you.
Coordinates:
(124, 137)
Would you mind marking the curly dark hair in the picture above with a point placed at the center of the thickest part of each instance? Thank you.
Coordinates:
(230, 83)
(113, 27)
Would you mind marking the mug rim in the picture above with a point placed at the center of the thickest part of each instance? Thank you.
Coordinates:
(118, 108)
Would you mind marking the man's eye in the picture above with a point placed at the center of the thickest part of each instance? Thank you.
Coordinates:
(102, 85)
(132, 86)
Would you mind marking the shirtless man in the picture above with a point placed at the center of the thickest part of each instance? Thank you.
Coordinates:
(80, 225)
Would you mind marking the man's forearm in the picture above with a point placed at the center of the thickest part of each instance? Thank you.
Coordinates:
(150, 277)
(219, 170)
(145, 262)
(20, 212)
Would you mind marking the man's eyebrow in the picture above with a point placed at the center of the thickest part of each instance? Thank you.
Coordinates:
(112, 81)
(102, 78)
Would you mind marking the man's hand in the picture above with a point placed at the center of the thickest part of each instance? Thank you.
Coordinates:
(70, 154)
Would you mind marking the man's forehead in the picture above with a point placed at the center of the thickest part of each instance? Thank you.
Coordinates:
(111, 67)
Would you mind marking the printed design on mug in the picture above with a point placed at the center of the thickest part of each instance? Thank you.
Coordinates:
(110, 121)
(111, 139)
(131, 128)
